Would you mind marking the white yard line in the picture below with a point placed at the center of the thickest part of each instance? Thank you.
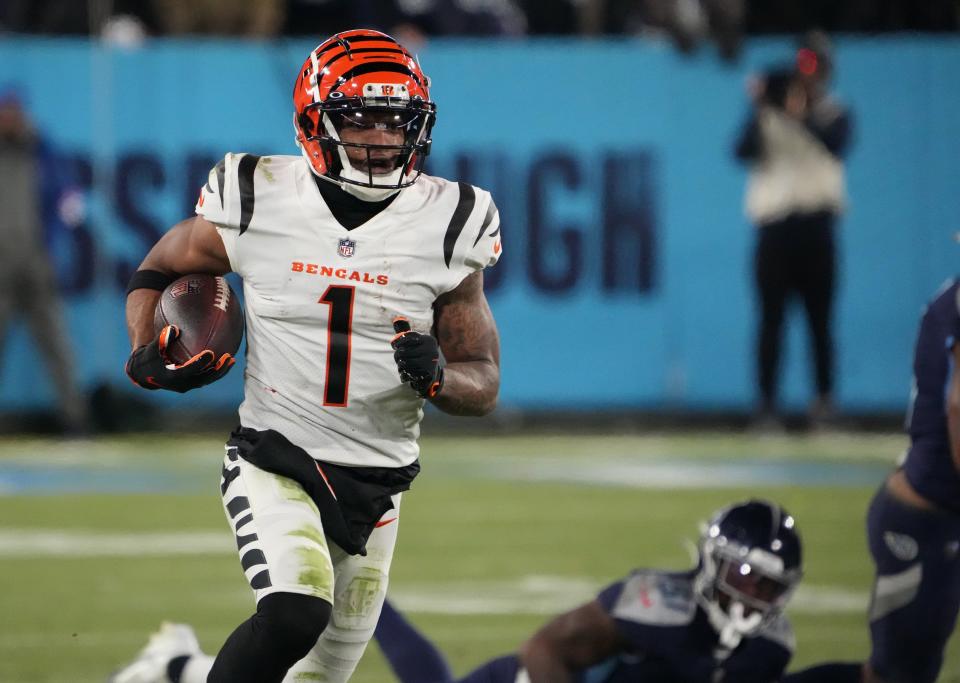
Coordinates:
(554, 594)
(70, 543)
(201, 451)
(617, 471)
(531, 594)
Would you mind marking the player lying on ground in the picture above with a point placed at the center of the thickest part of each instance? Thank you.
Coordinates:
(721, 621)
(913, 524)
(332, 246)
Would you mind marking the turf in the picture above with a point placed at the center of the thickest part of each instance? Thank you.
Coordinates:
(497, 534)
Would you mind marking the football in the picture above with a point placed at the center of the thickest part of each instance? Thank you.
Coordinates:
(206, 311)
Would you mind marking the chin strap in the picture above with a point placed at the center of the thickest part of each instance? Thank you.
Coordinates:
(733, 625)
(368, 194)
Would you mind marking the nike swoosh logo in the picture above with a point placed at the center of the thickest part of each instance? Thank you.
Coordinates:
(384, 522)
(496, 247)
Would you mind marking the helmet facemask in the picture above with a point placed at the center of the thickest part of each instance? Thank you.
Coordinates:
(393, 161)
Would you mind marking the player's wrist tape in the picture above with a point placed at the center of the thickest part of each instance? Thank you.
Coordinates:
(149, 279)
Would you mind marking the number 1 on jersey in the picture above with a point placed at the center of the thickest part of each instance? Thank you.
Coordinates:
(340, 300)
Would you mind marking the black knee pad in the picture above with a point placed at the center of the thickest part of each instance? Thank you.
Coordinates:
(292, 622)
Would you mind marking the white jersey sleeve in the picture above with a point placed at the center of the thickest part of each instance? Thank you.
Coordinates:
(226, 199)
(472, 241)
(219, 200)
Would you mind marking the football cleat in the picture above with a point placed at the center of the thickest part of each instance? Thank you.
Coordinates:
(150, 666)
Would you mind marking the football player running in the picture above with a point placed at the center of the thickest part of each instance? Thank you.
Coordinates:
(721, 621)
(913, 523)
(363, 288)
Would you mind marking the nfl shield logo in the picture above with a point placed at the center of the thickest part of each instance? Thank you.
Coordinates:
(185, 287)
(346, 247)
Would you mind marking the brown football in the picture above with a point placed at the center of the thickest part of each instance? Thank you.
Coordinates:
(206, 311)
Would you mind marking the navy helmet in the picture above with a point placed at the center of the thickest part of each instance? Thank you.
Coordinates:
(750, 563)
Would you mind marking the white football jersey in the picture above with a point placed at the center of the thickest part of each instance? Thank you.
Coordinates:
(320, 300)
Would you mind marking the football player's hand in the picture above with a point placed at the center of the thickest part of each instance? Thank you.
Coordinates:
(418, 358)
(149, 367)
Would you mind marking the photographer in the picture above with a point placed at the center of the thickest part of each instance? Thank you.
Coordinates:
(794, 142)
(33, 196)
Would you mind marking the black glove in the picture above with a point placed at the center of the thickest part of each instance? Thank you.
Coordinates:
(418, 358)
(148, 366)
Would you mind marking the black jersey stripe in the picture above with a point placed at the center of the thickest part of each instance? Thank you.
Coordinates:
(373, 67)
(221, 175)
(487, 220)
(361, 51)
(245, 171)
(459, 219)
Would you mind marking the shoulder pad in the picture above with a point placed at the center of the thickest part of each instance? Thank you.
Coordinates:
(473, 233)
(227, 197)
(656, 599)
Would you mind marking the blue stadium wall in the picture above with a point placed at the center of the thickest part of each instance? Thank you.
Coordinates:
(626, 276)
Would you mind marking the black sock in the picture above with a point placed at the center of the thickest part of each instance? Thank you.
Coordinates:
(264, 647)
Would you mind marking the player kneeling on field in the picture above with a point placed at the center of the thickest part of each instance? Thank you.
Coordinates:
(721, 621)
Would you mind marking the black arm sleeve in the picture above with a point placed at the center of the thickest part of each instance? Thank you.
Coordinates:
(749, 145)
(834, 134)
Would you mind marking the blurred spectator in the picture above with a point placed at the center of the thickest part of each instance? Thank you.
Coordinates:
(688, 23)
(406, 18)
(30, 192)
(873, 16)
(128, 23)
(794, 142)
(257, 18)
(124, 30)
(322, 17)
(558, 17)
(62, 17)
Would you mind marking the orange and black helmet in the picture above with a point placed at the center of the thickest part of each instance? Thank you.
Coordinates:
(355, 74)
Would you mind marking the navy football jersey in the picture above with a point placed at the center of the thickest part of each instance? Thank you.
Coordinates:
(672, 640)
(929, 466)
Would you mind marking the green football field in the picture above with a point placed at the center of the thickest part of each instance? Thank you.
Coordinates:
(100, 540)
